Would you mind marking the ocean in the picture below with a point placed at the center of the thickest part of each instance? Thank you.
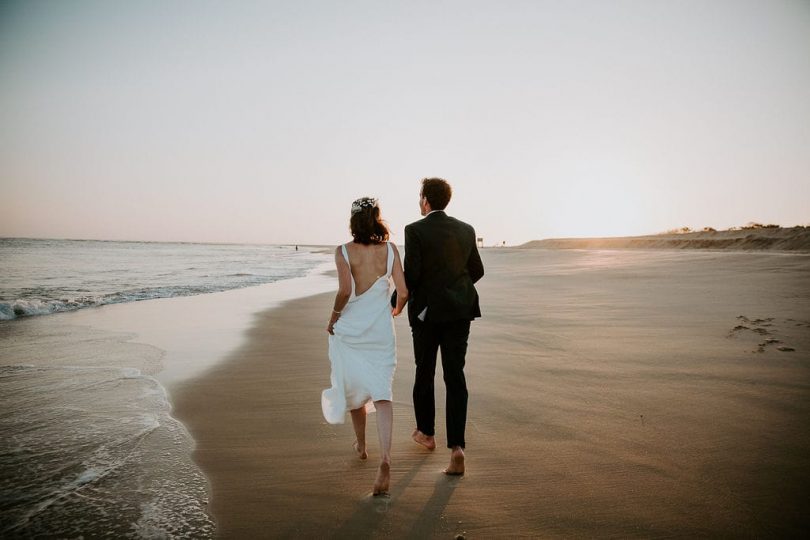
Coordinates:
(89, 447)
(39, 277)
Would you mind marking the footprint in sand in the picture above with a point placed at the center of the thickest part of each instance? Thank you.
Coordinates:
(742, 327)
(761, 346)
(756, 326)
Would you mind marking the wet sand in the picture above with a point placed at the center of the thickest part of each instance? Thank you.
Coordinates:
(612, 394)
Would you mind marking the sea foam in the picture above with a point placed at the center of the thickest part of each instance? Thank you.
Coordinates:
(93, 451)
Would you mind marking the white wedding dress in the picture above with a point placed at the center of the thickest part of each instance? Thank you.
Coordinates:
(362, 350)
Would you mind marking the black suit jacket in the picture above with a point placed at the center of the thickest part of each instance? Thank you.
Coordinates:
(441, 265)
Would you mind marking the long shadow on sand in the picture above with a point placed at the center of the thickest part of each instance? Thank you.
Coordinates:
(371, 512)
(430, 516)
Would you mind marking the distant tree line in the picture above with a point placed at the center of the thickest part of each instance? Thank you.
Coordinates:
(750, 226)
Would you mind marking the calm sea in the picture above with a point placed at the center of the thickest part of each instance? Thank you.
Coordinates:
(88, 447)
(39, 277)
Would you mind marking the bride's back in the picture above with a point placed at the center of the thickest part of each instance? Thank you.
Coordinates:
(368, 263)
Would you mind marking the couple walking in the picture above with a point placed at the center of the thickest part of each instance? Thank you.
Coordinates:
(441, 266)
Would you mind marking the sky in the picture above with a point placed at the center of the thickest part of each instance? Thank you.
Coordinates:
(261, 122)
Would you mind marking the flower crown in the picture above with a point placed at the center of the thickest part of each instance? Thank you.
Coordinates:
(363, 202)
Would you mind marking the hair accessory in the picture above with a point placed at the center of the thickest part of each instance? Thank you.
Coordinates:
(363, 202)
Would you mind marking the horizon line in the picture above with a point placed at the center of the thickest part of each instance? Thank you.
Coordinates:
(320, 245)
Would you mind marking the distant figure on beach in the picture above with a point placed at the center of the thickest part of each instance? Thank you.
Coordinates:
(441, 265)
(362, 346)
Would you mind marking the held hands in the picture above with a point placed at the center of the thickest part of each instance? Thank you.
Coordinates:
(398, 303)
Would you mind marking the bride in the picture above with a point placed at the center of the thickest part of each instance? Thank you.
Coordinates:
(362, 345)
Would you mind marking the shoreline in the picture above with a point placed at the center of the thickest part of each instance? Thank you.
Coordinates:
(117, 367)
(612, 393)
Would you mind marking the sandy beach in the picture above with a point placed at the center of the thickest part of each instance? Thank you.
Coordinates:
(612, 394)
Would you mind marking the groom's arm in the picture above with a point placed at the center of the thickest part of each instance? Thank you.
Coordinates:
(413, 259)
(474, 265)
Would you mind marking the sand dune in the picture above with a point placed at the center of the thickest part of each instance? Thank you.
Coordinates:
(784, 239)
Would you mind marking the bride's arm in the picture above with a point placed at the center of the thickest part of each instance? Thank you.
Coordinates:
(399, 283)
(344, 289)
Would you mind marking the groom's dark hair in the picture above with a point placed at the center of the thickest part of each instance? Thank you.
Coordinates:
(437, 192)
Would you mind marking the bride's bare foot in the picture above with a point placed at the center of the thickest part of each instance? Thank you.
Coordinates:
(360, 449)
(456, 467)
(383, 479)
(425, 440)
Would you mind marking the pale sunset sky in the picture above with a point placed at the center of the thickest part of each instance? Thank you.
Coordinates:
(260, 122)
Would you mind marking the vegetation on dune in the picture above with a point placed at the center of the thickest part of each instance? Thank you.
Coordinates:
(748, 227)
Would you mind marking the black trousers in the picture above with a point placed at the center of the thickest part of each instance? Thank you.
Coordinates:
(451, 338)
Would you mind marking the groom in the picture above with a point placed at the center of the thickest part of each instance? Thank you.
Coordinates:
(441, 265)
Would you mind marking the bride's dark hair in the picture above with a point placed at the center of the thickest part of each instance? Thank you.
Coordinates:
(366, 224)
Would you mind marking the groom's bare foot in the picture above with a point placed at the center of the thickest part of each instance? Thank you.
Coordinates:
(383, 479)
(456, 467)
(425, 440)
(360, 449)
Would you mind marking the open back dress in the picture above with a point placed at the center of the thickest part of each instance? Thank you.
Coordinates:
(362, 350)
